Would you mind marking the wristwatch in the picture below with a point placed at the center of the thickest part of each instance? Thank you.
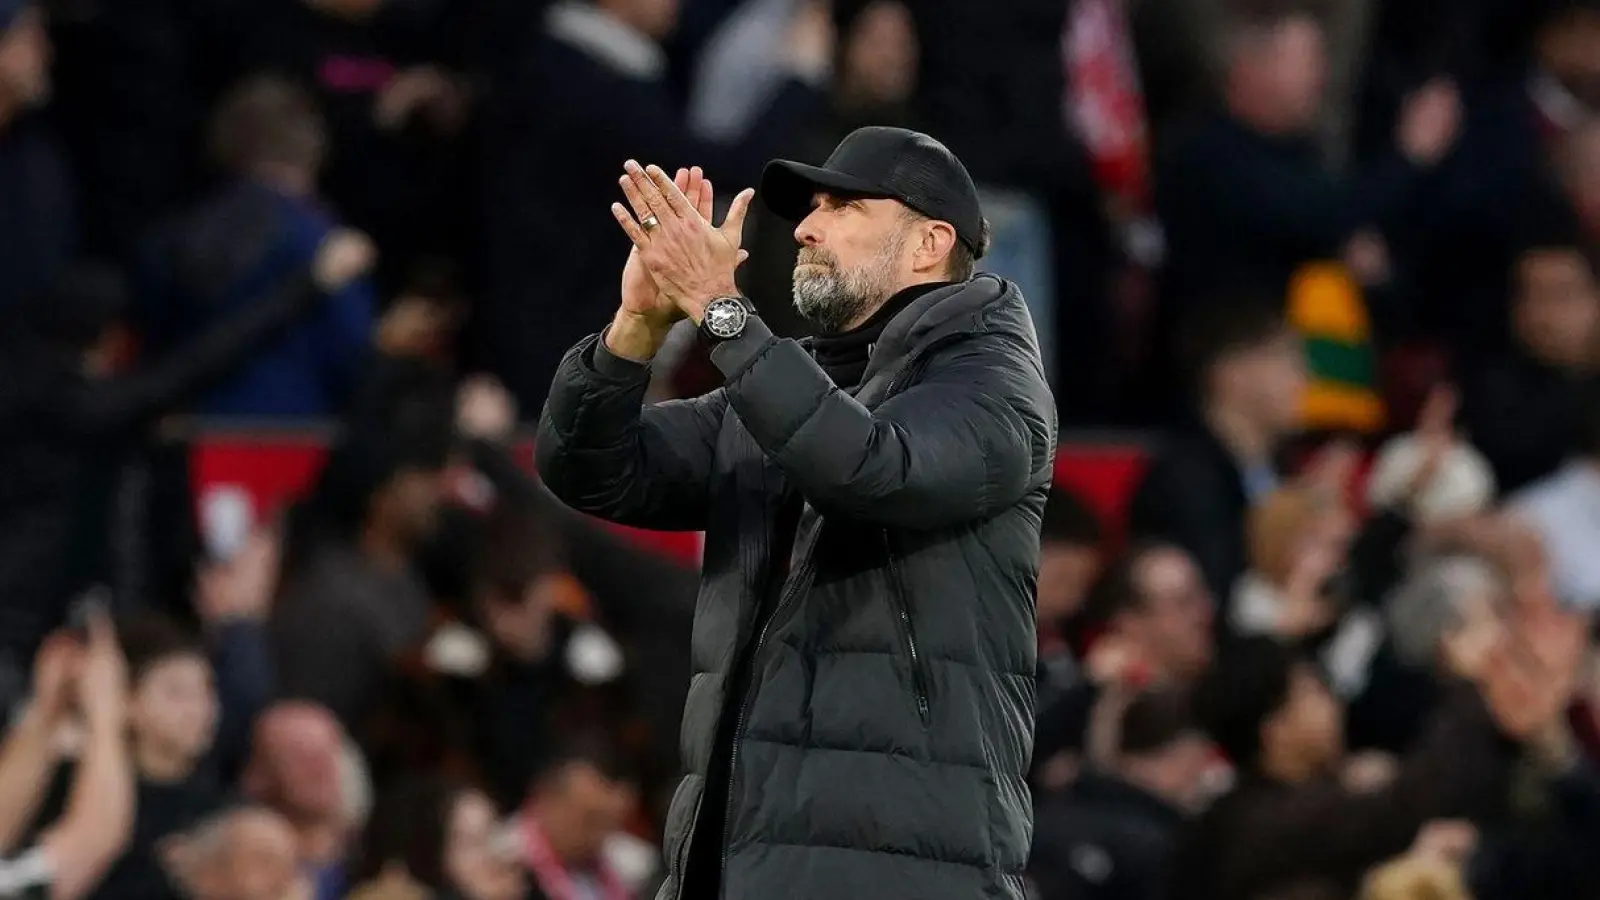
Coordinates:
(725, 318)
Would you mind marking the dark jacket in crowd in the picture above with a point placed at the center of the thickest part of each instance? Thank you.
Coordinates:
(1194, 496)
(879, 744)
(1266, 836)
(1103, 839)
(1522, 416)
(1549, 860)
(38, 217)
(218, 259)
(63, 438)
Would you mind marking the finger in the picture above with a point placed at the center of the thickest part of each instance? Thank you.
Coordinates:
(743, 255)
(703, 200)
(636, 198)
(629, 226)
(733, 226)
(676, 201)
(649, 192)
(684, 180)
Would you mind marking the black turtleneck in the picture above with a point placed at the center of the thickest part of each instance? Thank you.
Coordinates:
(844, 356)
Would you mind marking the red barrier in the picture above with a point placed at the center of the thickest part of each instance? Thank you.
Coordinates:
(276, 468)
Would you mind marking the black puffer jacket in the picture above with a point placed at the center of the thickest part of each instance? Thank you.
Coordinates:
(884, 736)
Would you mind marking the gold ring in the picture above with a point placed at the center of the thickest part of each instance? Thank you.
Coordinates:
(649, 223)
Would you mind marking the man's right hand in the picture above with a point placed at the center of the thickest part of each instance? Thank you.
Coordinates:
(641, 325)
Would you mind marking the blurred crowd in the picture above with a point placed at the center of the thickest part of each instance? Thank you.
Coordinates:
(1337, 260)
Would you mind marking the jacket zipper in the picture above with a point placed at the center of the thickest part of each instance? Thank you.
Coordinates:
(919, 681)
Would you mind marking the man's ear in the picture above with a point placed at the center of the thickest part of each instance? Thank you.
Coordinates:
(935, 241)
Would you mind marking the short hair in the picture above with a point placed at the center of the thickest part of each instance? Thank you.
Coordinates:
(410, 825)
(585, 749)
(1155, 720)
(149, 639)
(266, 119)
(1068, 520)
(517, 547)
(1247, 684)
(1119, 591)
(1226, 325)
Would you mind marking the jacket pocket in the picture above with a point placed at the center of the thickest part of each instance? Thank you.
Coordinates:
(900, 607)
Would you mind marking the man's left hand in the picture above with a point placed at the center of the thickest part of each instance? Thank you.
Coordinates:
(692, 261)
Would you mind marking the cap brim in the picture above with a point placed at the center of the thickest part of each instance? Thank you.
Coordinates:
(787, 187)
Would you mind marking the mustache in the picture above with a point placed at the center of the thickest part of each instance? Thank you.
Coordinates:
(816, 256)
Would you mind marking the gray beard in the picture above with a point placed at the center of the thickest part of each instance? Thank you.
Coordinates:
(827, 301)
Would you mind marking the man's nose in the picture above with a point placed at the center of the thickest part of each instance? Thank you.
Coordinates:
(807, 233)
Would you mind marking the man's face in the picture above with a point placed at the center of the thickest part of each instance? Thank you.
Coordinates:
(474, 859)
(523, 627)
(1066, 572)
(1267, 382)
(25, 60)
(880, 58)
(174, 707)
(1310, 726)
(1569, 49)
(412, 500)
(261, 854)
(1557, 307)
(1286, 66)
(1173, 624)
(852, 258)
(581, 809)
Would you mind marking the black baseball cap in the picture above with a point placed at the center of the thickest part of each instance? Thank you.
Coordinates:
(892, 163)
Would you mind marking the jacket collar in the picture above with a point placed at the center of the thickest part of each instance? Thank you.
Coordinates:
(986, 303)
(606, 40)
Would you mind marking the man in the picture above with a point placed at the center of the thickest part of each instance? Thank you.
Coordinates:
(860, 719)
(301, 769)
(1249, 370)
(576, 805)
(1108, 836)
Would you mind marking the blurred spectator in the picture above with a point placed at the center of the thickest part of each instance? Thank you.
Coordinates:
(1156, 615)
(70, 416)
(440, 837)
(577, 804)
(353, 603)
(262, 226)
(73, 851)
(588, 97)
(298, 770)
(1559, 508)
(1290, 824)
(1072, 553)
(1522, 408)
(38, 218)
(385, 74)
(1243, 193)
(1109, 835)
(245, 853)
(1248, 371)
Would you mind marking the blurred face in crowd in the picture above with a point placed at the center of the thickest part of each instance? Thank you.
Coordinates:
(1176, 773)
(295, 767)
(25, 61)
(409, 503)
(1279, 70)
(579, 808)
(1557, 307)
(522, 626)
(174, 708)
(880, 56)
(1066, 572)
(475, 859)
(855, 253)
(1265, 383)
(250, 855)
(1307, 733)
(1569, 49)
(655, 18)
(1172, 622)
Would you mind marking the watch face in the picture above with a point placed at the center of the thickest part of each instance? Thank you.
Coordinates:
(725, 318)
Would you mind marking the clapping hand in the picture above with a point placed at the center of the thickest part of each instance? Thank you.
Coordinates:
(691, 261)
